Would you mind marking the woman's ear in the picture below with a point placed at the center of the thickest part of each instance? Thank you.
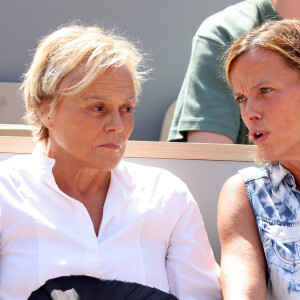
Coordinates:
(47, 121)
(45, 114)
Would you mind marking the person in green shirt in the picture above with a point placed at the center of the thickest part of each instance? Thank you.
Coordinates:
(205, 110)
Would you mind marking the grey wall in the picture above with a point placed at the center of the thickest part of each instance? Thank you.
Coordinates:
(164, 28)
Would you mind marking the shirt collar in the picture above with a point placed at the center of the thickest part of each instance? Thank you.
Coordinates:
(39, 156)
(121, 182)
(278, 173)
(44, 166)
(120, 192)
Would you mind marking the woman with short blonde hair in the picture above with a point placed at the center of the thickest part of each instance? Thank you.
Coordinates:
(60, 53)
(74, 207)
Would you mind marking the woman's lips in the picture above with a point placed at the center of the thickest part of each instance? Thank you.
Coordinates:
(259, 136)
(111, 146)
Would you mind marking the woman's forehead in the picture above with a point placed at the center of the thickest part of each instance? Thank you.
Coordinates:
(73, 77)
(113, 73)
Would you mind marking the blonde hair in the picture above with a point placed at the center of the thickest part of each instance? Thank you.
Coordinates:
(282, 37)
(61, 52)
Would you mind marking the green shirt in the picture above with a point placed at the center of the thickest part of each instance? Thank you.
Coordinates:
(205, 101)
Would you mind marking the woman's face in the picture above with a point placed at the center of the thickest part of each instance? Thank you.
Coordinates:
(268, 92)
(90, 129)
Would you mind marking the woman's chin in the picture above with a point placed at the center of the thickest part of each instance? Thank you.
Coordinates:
(268, 155)
(106, 166)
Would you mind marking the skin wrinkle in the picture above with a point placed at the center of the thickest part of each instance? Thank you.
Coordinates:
(89, 171)
(88, 135)
(266, 111)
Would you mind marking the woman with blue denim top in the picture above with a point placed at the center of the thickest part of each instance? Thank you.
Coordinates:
(259, 208)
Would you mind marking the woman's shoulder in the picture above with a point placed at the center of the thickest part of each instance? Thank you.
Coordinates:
(233, 190)
(150, 177)
(14, 164)
(254, 172)
(234, 210)
(146, 171)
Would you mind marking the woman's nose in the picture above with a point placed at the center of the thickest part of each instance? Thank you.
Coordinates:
(115, 123)
(250, 111)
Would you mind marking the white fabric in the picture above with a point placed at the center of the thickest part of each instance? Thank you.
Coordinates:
(151, 233)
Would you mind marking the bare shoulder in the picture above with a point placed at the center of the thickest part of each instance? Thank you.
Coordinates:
(233, 196)
(235, 214)
(242, 257)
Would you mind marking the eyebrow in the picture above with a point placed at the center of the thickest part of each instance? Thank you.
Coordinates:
(103, 98)
(253, 87)
(260, 83)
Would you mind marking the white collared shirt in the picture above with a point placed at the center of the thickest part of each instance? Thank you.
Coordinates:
(151, 232)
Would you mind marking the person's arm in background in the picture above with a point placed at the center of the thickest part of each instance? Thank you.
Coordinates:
(208, 137)
(243, 266)
(205, 103)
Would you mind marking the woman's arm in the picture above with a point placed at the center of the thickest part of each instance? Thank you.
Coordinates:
(242, 257)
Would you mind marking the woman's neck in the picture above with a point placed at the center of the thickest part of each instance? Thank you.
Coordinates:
(76, 179)
(80, 183)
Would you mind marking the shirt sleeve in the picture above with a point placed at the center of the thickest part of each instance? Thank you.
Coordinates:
(205, 101)
(192, 271)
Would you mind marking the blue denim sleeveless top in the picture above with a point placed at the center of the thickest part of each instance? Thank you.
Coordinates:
(276, 205)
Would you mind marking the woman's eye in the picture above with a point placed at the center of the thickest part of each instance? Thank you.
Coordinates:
(98, 108)
(265, 90)
(240, 99)
(128, 109)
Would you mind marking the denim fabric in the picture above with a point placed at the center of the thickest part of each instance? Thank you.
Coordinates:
(276, 205)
